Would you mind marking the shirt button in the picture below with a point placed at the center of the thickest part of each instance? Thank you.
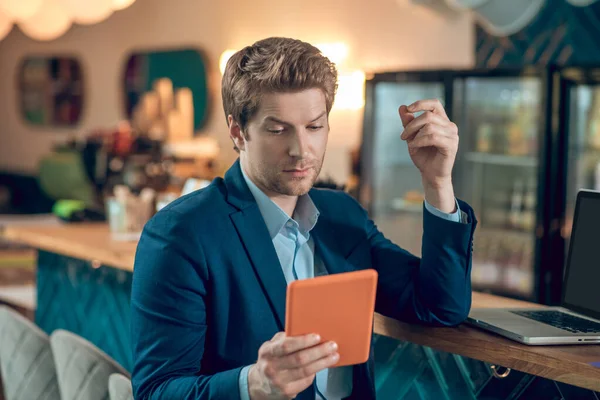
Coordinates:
(290, 224)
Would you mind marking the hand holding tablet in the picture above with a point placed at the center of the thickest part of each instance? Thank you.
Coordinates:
(337, 307)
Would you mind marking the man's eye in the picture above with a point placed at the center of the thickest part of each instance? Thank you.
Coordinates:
(315, 127)
(276, 131)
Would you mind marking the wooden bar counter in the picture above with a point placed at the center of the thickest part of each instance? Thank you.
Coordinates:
(90, 246)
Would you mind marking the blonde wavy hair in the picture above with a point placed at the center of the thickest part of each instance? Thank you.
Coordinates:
(274, 65)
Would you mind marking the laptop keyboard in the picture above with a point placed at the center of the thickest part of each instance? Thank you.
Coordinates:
(562, 320)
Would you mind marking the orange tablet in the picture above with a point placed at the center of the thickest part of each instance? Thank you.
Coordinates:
(338, 307)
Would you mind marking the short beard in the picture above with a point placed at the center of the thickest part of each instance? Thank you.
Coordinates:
(277, 186)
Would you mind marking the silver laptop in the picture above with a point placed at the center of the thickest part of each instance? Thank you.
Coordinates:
(578, 320)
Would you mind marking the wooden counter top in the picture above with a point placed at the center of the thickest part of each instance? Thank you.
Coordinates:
(568, 364)
(91, 242)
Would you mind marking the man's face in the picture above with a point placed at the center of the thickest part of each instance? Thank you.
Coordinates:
(286, 142)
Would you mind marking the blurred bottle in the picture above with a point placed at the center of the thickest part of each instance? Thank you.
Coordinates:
(517, 144)
(513, 135)
(516, 205)
(594, 122)
(490, 271)
(531, 130)
(525, 282)
(484, 134)
(500, 127)
(512, 276)
(516, 140)
(528, 215)
(496, 209)
(597, 177)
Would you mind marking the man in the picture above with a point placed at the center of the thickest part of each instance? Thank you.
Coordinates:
(209, 285)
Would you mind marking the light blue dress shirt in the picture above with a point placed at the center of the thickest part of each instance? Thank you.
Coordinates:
(296, 252)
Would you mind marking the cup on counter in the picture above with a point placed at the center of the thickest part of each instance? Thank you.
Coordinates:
(128, 213)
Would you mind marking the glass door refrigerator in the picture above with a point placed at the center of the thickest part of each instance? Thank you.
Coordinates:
(501, 169)
(577, 154)
(501, 172)
(390, 185)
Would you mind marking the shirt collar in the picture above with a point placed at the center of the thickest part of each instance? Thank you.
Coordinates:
(306, 213)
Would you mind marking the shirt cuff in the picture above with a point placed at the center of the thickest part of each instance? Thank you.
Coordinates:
(454, 217)
(243, 383)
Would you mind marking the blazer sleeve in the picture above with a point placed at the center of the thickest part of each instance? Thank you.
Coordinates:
(435, 289)
(168, 316)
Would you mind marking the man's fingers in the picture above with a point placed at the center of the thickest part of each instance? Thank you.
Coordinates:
(433, 105)
(278, 336)
(405, 116)
(306, 356)
(433, 139)
(289, 374)
(283, 345)
(427, 118)
(300, 373)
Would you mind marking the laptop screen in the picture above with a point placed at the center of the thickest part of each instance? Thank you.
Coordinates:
(582, 288)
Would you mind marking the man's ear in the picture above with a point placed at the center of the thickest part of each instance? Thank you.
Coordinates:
(235, 133)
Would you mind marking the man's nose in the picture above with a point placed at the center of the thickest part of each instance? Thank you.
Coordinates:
(299, 145)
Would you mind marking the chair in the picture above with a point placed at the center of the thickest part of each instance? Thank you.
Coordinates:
(82, 368)
(26, 361)
(119, 387)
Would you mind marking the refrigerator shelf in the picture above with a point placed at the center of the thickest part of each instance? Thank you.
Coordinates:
(502, 159)
(405, 206)
(501, 232)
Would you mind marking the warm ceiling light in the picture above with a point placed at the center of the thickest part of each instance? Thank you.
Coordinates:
(88, 12)
(20, 9)
(351, 91)
(224, 58)
(121, 4)
(336, 52)
(6, 24)
(50, 22)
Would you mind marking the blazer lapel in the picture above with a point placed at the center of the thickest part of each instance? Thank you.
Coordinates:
(255, 236)
(253, 233)
(330, 246)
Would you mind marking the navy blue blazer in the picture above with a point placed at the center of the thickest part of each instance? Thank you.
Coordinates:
(208, 288)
